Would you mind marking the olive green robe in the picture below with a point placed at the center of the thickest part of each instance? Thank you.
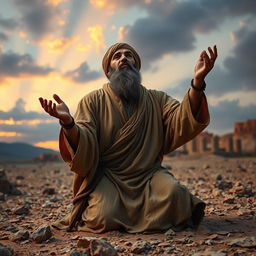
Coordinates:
(135, 192)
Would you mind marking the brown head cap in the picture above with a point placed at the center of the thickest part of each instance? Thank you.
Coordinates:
(115, 47)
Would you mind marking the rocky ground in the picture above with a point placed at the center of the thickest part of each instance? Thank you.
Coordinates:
(36, 194)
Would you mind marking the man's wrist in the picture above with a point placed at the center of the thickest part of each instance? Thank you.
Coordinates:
(68, 123)
(198, 84)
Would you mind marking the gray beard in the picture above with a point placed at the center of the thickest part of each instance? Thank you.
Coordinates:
(126, 84)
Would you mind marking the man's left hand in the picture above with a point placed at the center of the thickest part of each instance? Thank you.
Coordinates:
(205, 63)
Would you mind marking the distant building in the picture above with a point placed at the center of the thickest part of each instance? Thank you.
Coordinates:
(246, 133)
(242, 141)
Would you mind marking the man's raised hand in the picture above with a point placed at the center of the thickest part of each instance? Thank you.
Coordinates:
(59, 110)
(205, 63)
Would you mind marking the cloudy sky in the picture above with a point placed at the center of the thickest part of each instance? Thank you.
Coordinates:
(56, 46)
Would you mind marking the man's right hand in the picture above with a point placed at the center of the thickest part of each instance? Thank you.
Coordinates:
(59, 110)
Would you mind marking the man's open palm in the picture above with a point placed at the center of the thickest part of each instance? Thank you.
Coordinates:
(205, 63)
(59, 110)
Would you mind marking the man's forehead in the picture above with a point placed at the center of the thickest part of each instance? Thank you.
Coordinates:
(122, 50)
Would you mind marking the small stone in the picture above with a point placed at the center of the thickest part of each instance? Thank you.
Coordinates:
(246, 242)
(140, 247)
(101, 247)
(42, 234)
(6, 250)
(229, 200)
(21, 235)
(170, 232)
(78, 253)
(206, 166)
(219, 177)
(21, 210)
(49, 191)
(85, 242)
(12, 229)
(5, 185)
(223, 185)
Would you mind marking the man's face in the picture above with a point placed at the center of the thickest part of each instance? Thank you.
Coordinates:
(121, 59)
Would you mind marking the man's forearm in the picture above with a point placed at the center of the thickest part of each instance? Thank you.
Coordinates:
(195, 96)
(71, 134)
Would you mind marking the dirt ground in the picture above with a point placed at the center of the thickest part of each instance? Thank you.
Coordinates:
(227, 185)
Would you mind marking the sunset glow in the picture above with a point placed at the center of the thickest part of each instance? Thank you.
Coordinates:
(60, 52)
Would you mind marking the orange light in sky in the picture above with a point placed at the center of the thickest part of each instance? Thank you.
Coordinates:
(27, 122)
(55, 2)
(98, 3)
(22, 34)
(59, 45)
(96, 35)
(10, 134)
(83, 47)
(52, 144)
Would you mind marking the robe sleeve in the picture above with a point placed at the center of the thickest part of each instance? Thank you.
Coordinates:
(84, 161)
(180, 125)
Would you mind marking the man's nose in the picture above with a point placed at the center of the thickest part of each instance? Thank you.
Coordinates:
(123, 58)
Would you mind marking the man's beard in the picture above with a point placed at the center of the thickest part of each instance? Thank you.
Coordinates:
(126, 83)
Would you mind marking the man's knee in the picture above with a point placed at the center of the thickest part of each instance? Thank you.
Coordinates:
(165, 184)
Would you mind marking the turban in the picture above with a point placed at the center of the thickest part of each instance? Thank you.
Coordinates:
(112, 49)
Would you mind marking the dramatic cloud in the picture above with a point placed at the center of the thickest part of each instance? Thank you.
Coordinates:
(18, 113)
(83, 74)
(15, 65)
(242, 64)
(58, 46)
(29, 126)
(175, 29)
(31, 133)
(8, 24)
(3, 37)
(39, 17)
(226, 113)
(238, 72)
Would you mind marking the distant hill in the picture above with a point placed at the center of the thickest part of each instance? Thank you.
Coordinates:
(21, 151)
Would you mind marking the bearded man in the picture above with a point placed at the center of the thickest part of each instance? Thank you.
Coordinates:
(115, 146)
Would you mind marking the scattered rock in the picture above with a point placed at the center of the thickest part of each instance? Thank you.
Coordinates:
(21, 210)
(6, 250)
(101, 247)
(49, 191)
(97, 247)
(229, 200)
(219, 177)
(5, 185)
(170, 232)
(78, 253)
(245, 242)
(42, 234)
(21, 235)
(141, 247)
(223, 185)
(12, 229)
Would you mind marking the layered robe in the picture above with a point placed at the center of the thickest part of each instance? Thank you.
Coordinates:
(133, 192)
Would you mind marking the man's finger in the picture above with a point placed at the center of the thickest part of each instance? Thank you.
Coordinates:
(211, 53)
(57, 98)
(50, 107)
(215, 51)
(41, 101)
(54, 108)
